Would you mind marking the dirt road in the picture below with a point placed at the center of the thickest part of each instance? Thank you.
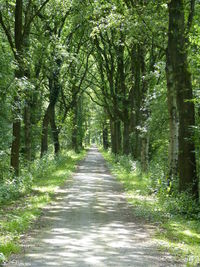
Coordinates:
(91, 224)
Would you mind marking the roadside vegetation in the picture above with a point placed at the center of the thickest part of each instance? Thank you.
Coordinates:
(123, 74)
(176, 217)
(21, 201)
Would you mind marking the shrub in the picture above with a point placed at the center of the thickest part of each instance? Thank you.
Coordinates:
(180, 203)
(127, 163)
(15, 187)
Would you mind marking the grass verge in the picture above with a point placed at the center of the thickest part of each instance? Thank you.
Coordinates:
(18, 215)
(175, 233)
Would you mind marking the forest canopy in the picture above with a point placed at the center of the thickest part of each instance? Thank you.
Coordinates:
(120, 74)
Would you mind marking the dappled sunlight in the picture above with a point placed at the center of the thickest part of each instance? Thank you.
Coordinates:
(149, 199)
(90, 224)
(180, 238)
(187, 233)
(59, 172)
(191, 234)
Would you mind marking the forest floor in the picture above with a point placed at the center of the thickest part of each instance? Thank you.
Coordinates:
(90, 223)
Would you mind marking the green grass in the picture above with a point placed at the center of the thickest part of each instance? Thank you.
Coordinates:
(176, 233)
(18, 216)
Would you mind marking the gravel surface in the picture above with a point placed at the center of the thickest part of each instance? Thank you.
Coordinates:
(91, 224)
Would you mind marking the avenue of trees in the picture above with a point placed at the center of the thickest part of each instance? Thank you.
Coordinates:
(123, 73)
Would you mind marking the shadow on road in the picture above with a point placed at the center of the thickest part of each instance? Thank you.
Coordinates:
(91, 224)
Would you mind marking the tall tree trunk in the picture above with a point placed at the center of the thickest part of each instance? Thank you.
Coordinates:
(177, 53)
(75, 127)
(135, 102)
(27, 131)
(122, 90)
(173, 120)
(44, 137)
(88, 137)
(49, 117)
(105, 137)
(80, 122)
(132, 123)
(115, 127)
(126, 141)
(14, 160)
(118, 137)
(145, 152)
(55, 131)
(28, 94)
(145, 113)
(112, 136)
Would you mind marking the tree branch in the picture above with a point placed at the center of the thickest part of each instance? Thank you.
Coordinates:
(63, 22)
(37, 12)
(8, 35)
(93, 100)
(191, 15)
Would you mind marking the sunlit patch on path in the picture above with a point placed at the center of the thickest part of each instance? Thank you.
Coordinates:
(91, 224)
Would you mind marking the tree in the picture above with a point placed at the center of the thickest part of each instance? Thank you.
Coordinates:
(180, 101)
(23, 18)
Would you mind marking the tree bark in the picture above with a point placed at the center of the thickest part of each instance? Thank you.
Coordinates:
(112, 136)
(55, 131)
(75, 127)
(80, 122)
(117, 136)
(126, 140)
(145, 113)
(135, 101)
(177, 53)
(121, 89)
(49, 117)
(15, 148)
(27, 131)
(105, 137)
(173, 120)
(14, 161)
(44, 137)
(145, 152)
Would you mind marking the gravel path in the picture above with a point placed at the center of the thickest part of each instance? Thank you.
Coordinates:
(91, 224)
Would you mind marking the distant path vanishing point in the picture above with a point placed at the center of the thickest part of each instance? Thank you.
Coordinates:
(91, 224)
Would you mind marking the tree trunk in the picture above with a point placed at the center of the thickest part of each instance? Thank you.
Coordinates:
(112, 136)
(173, 122)
(55, 131)
(44, 138)
(105, 137)
(135, 101)
(49, 116)
(28, 96)
(145, 113)
(14, 157)
(126, 144)
(145, 152)
(80, 122)
(14, 161)
(122, 90)
(117, 134)
(27, 132)
(177, 52)
(75, 127)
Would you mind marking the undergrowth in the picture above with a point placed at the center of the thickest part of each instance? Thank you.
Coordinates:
(22, 199)
(176, 216)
